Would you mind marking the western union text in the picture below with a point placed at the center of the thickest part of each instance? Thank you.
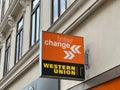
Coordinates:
(61, 69)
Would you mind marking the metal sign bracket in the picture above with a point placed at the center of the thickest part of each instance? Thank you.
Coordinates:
(86, 59)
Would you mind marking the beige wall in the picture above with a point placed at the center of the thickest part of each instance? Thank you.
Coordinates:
(45, 20)
(101, 35)
(26, 28)
(69, 2)
(26, 78)
(101, 32)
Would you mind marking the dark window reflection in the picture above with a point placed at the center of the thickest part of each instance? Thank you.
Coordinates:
(62, 6)
(33, 29)
(34, 3)
(19, 39)
(7, 56)
(58, 8)
(35, 22)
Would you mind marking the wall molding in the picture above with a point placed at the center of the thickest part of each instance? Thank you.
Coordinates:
(79, 18)
(12, 12)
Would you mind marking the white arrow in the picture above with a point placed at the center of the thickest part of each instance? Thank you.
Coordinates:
(69, 55)
(75, 48)
(72, 55)
(72, 48)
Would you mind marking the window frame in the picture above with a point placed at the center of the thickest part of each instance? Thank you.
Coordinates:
(7, 55)
(33, 38)
(58, 9)
(18, 49)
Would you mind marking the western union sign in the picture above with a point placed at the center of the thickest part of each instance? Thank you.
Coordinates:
(61, 56)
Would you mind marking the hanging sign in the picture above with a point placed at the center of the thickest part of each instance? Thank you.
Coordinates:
(61, 56)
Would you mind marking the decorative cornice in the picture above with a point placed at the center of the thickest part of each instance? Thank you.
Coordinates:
(1, 44)
(11, 21)
(12, 11)
(2, 41)
(24, 3)
(27, 2)
(23, 10)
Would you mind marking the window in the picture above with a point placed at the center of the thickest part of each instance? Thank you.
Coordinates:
(3, 9)
(35, 22)
(7, 56)
(58, 8)
(19, 38)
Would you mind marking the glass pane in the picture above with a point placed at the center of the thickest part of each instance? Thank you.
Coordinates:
(5, 66)
(20, 48)
(17, 48)
(20, 24)
(8, 59)
(55, 10)
(62, 6)
(5, 61)
(33, 29)
(38, 24)
(35, 2)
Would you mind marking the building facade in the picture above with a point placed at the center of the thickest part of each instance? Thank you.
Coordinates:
(21, 22)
